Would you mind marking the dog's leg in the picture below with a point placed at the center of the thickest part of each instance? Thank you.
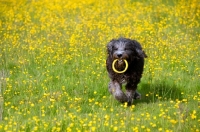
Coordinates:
(131, 95)
(131, 92)
(115, 89)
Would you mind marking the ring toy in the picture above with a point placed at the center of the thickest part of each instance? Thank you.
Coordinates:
(113, 66)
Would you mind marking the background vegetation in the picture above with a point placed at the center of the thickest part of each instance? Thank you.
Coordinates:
(52, 65)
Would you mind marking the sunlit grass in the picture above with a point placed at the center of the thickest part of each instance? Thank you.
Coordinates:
(52, 68)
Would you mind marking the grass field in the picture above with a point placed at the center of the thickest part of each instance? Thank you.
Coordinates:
(52, 65)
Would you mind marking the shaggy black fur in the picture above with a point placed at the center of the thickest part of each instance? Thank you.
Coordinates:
(130, 50)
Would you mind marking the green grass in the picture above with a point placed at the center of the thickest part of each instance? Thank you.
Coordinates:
(53, 75)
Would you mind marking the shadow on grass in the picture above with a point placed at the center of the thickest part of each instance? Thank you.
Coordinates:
(158, 91)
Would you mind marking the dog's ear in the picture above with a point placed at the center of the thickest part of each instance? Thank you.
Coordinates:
(110, 46)
(141, 53)
(138, 48)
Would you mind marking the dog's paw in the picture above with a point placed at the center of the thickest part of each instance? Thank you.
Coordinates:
(137, 95)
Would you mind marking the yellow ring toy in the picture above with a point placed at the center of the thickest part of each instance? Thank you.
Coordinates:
(113, 66)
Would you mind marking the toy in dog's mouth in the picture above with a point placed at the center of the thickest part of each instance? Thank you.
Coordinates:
(119, 61)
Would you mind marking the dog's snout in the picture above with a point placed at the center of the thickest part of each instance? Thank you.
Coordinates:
(119, 55)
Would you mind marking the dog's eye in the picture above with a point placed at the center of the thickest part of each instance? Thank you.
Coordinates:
(115, 48)
(125, 49)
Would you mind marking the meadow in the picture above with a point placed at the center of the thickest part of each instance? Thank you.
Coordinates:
(52, 65)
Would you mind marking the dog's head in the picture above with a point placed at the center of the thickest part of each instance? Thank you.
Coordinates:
(123, 48)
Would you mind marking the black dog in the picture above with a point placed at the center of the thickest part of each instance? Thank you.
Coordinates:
(130, 50)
